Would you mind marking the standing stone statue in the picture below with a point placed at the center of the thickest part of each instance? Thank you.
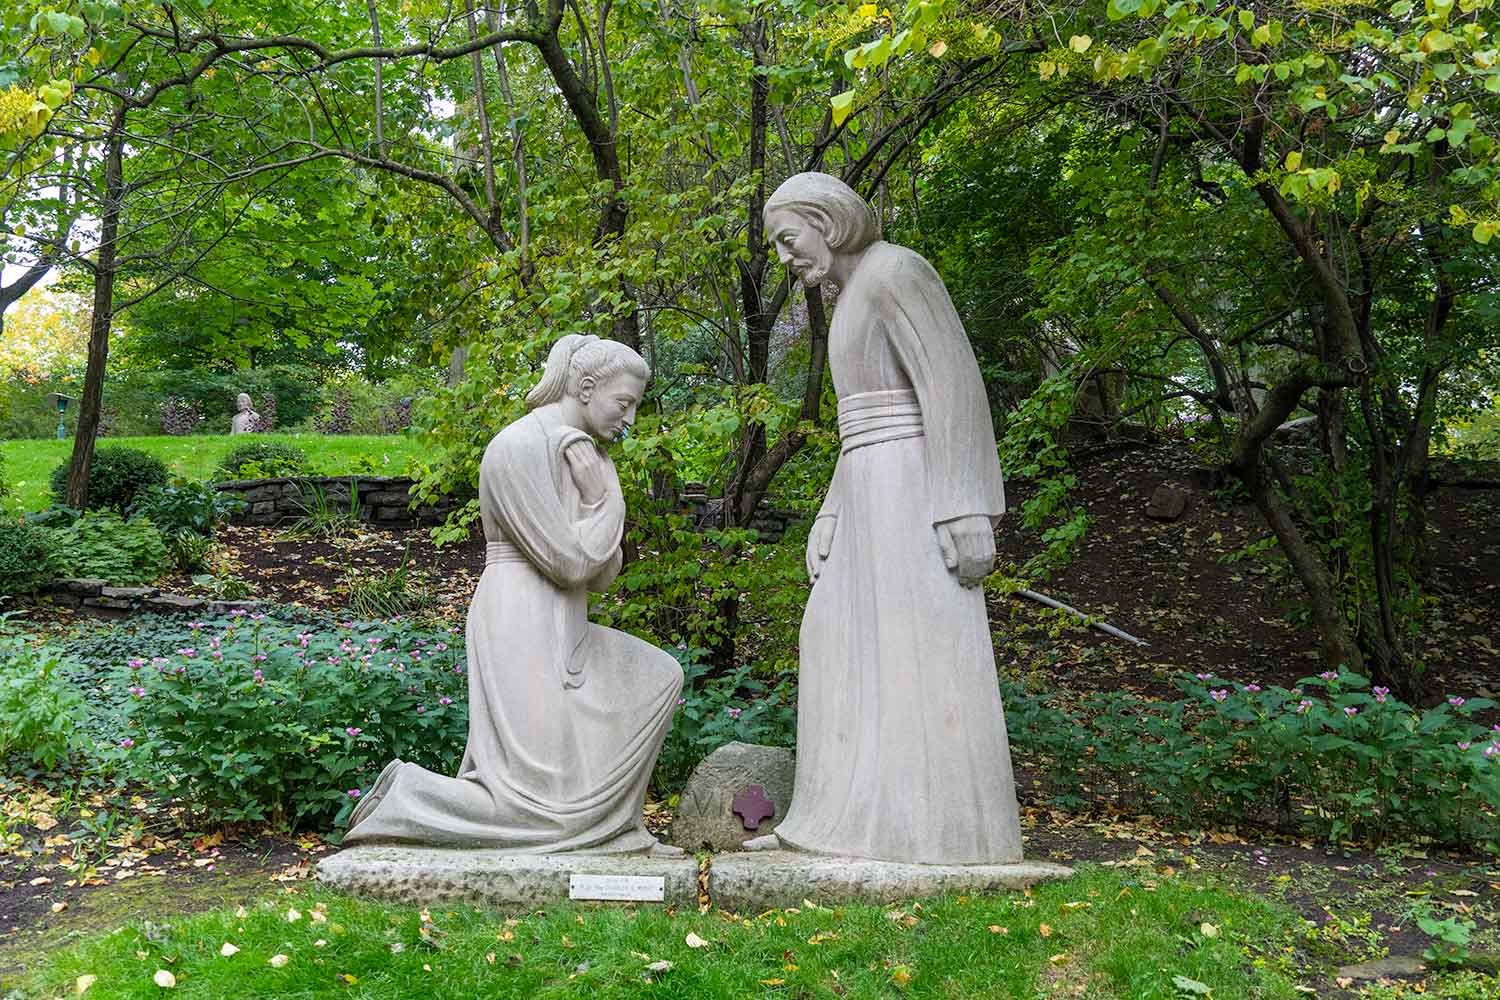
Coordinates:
(565, 717)
(245, 419)
(902, 753)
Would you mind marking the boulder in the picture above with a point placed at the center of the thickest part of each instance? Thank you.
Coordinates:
(1168, 503)
(740, 791)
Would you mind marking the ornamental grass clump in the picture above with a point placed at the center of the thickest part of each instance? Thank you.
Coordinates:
(244, 719)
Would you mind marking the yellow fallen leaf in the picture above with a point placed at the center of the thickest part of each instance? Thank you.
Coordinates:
(164, 979)
(318, 916)
(661, 966)
(82, 983)
(226, 949)
(937, 49)
(1208, 930)
(694, 941)
(1343, 982)
(350, 979)
(1045, 930)
(293, 915)
(1069, 907)
(58, 907)
(277, 961)
(900, 975)
(241, 913)
(997, 929)
(1059, 958)
(490, 958)
(773, 982)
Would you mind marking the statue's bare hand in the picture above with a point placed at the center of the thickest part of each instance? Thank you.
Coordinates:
(589, 468)
(819, 544)
(968, 546)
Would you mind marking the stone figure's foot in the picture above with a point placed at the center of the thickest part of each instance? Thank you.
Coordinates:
(765, 842)
(660, 850)
(375, 794)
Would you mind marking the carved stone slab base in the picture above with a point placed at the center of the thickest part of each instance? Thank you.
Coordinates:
(754, 881)
(426, 875)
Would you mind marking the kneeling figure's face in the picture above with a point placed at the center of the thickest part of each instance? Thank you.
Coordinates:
(609, 406)
(800, 246)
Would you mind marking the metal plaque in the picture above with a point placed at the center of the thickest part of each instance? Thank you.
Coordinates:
(645, 888)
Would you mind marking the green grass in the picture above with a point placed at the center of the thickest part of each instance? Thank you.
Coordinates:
(29, 464)
(1108, 936)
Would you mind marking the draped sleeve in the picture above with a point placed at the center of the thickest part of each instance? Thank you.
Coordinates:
(963, 464)
(525, 482)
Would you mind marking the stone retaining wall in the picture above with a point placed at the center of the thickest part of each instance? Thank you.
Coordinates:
(100, 598)
(382, 499)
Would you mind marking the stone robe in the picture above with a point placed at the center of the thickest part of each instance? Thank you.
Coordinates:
(565, 717)
(902, 752)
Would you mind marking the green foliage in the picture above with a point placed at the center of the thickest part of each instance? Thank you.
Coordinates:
(1449, 946)
(41, 710)
(185, 506)
(116, 475)
(1332, 757)
(254, 721)
(23, 557)
(104, 546)
(189, 551)
(323, 514)
(714, 711)
(260, 459)
(387, 593)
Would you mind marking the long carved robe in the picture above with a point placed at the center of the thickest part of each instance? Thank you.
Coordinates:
(565, 717)
(902, 752)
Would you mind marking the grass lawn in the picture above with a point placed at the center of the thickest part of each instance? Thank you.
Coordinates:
(1101, 934)
(29, 464)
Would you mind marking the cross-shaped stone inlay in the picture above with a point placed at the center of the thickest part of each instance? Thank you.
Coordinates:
(752, 807)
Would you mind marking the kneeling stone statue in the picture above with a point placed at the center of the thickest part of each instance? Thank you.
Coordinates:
(566, 718)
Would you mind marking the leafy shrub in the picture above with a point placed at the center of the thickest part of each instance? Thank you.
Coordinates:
(262, 722)
(262, 460)
(101, 545)
(180, 416)
(714, 711)
(323, 515)
(23, 557)
(186, 506)
(1333, 757)
(116, 475)
(189, 551)
(41, 710)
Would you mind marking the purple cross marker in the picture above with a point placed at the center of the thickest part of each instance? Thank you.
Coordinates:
(752, 807)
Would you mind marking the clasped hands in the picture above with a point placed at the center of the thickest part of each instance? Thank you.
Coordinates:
(590, 468)
(967, 545)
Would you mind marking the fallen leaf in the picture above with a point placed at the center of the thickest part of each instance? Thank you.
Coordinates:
(1059, 958)
(226, 949)
(901, 975)
(661, 966)
(82, 983)
(346, 977)
(293, 915)
(1071, 906)
(241, 913)
(277, 961)
(490, 957)
(1343, 982)
(1208, 930)
(694, 941)
(1045, 930)
(773, 982)
(997, 929)
(164, 979)
(58, 907)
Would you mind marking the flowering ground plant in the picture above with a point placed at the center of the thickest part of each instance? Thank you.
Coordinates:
(715, 710)
(245, 719)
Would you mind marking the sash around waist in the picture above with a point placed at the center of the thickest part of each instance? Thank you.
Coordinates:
(867, 418)
(502, 552)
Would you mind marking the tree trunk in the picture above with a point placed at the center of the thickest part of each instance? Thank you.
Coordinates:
(90, 406)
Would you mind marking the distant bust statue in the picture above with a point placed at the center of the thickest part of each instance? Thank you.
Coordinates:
(245, 420)
(902, 752)
(565, 717)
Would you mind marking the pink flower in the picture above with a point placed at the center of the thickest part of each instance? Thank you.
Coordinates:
(127, 743)
(1303, 706)
(237, 613)
(1252, 688)
(1201, 677)
(1493, 750)
(1329, 675)
(259, 657)
(681, 701)
(1464, 744)
(259, 677)
(445, 700)
(1455, 701)
(136, 664)
(1219, 695)
(1381, 693)
(734, 713)
(187, 651)
(218, 655)
(354, 793)
(441, 647)
(420, 709)
(137, 692)
(1351, 711)
(195, 626)
(353, 730)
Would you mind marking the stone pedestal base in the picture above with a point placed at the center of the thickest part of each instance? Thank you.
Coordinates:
(427, 875)
(760, 880)
(742, 882)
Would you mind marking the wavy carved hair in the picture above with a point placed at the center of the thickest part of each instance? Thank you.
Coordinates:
(579, 356)
(839, 213)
